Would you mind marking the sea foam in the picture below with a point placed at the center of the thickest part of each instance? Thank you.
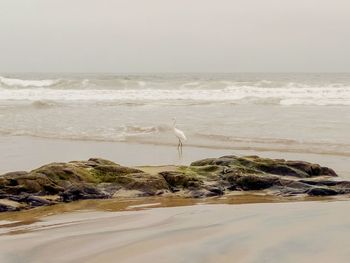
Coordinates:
(12, 82)
(127, 91)
(245, 94)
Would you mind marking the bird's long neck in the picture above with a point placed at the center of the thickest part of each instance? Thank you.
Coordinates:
(174, 124)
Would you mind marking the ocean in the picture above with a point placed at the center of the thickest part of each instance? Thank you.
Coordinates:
(128, 119)
(279, 112)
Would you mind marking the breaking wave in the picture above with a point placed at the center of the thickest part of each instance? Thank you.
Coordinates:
(117, 134)
(12, 82)
(249, 95)
(139, 90)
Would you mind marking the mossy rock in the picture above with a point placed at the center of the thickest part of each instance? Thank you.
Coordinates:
(180, 179)
(100, 178)
(28, 183)
(60, 173)
(147, 183)
(111, 173)
(201, 173)
(93, 162)
(256, 164)
(100, 161)
(222, 161)
(206, 170)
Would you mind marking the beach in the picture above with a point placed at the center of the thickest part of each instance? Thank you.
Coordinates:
(284, 232)
(253, 227)
(127, 119)
(169, 131)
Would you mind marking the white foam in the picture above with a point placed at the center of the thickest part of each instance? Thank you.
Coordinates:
(177, 92)
(244, 94)
(27, 83)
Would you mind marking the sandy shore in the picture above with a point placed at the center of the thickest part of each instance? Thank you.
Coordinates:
(264, 229)
(285, 232)
(26, 153)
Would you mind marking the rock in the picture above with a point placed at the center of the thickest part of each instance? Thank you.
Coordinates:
(255, 164)
(289, 191)
(216, 190)
(83, 191)
(252, 182)
(179, 179)
(311, 169)
(146, 183)
(93, 162)
(200, 193)
(295, 184)
(15, 174)
(321, 183)
(37, 201)
(318, 191)
(100, 161)
(122, 193)
(17, 184)
(6, 208)
(112, 173)
(7, 205)
(98, 178)
(64, 174)
(222, 161)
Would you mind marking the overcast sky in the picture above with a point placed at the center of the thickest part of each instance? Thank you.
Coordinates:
(174, 35)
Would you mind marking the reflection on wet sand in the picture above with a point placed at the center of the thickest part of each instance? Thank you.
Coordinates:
(194, 232)
(126, 204)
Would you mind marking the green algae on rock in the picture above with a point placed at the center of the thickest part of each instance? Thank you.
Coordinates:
(98, 179)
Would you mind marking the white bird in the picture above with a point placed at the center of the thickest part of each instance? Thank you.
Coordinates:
(179, 134)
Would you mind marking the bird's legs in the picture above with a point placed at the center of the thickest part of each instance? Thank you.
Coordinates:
(179, 148)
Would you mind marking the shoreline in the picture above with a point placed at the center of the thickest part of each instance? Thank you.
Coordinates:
(27, 217)
(174, 229)
(27, 153)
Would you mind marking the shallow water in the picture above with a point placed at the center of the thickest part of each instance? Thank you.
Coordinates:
(280, 112)
(127, 119)
(285, 232)
(27, 153)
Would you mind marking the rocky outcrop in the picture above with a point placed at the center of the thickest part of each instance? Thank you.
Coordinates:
(99, 179)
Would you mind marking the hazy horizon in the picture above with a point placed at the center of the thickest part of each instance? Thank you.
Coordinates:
(163, 36)
(170, 73)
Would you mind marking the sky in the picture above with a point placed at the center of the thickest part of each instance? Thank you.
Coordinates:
(126, 36)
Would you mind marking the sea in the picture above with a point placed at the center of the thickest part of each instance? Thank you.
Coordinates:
(289, 112)
(128, 118)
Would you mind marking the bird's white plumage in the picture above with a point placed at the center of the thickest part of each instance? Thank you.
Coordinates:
(178, 133)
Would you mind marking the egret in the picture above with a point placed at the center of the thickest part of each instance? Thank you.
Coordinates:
(179, 134)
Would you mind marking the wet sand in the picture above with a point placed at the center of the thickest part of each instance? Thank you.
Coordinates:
(254, 227)
(279, 232)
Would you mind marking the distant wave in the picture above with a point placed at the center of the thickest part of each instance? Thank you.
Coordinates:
(12, 82)
(244, 94)
(140, 91)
